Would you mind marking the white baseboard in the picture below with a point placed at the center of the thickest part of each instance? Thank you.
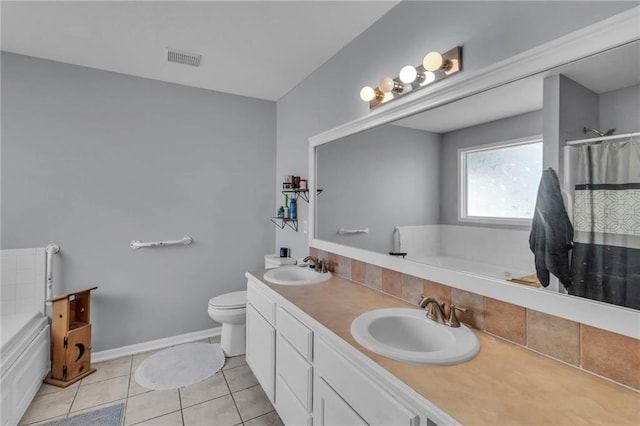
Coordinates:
(154, 345)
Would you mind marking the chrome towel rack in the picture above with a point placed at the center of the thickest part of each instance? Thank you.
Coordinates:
(343, 231)
(137, 244)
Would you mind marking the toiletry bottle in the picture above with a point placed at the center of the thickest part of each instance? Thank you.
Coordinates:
(293, 209)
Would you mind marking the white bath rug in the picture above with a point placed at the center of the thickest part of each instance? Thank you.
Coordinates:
(180, 366)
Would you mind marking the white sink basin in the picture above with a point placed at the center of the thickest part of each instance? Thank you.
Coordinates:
(296, 275)
(408, 335)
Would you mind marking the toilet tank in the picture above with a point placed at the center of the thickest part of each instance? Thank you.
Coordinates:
(275, 261)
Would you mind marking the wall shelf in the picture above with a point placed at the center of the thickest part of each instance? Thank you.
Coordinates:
(302, 193)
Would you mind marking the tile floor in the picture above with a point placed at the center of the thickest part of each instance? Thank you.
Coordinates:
(230, 397)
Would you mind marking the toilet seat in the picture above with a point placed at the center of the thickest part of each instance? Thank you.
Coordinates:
(233, 300)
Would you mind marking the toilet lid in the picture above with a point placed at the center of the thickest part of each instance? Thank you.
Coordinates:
(237, 299)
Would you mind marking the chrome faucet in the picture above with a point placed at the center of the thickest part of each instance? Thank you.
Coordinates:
(436, 311)
(320, 265)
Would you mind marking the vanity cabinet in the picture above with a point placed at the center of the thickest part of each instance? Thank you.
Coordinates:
(315, 378)
(261, 340)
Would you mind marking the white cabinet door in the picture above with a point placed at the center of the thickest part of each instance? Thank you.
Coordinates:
(261, 350)
(332, 410)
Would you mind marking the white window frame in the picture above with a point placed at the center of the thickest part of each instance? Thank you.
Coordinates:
(462, 183)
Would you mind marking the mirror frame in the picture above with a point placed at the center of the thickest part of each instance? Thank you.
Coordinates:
(604, 35)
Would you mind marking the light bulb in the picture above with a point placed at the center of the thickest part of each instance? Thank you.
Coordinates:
(408, 74)
(429, 77)
(387, 85)
(367, 94)
(433, 61)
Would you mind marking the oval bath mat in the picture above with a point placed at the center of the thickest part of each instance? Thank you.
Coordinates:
(179, 366)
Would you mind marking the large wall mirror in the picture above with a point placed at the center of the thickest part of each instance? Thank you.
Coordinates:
(454, 187)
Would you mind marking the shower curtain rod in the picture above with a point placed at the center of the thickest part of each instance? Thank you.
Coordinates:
(602, 138)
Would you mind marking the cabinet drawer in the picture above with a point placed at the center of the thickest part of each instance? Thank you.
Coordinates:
(296, 333)
(370, 401)
(295, 372)
(288, 406)
(261, 302)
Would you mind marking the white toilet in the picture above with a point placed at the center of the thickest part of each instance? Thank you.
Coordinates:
(230, 310)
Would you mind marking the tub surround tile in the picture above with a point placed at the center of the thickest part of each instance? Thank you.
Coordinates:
(441, 293)
(473, 303)
(412, 289)
(505, 320)
(392, 282)
(344, 267)
(152, 404)
(358, 271)
(557, 337)
(373, 277)
(220, 412)
(333, 262)
(611, 355)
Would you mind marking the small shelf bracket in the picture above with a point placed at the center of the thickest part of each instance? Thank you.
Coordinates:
(302, 193)
(281, 222)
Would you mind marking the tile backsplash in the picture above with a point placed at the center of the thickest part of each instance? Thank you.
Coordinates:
(22, 281)
(607, 354)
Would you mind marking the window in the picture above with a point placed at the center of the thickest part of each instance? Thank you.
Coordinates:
(499, 182)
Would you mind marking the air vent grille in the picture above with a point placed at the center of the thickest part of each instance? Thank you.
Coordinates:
(181, 57)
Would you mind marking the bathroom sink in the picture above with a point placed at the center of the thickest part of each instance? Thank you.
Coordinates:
(296, 275)
(408, 335)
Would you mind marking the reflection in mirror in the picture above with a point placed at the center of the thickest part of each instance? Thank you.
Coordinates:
(417, 185)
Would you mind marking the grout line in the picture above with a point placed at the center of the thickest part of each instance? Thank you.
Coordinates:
(75, 395)
(232, 398)
(181, 408)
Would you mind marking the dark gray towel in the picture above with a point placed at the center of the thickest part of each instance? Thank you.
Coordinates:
(551, 232)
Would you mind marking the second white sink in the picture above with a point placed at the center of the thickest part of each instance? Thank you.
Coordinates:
(296, 275)
(408, 335)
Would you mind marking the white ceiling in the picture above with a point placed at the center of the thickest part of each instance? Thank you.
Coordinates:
(260, 49)
(601, 73)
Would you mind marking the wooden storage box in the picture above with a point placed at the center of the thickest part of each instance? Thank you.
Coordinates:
(71, 338)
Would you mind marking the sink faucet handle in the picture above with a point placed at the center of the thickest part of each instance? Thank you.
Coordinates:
(453, 320)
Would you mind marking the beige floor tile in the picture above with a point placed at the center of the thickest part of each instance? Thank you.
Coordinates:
(99, 393)
(214, 339)
(138, 358)
(46, 389)
(151, 404)
(172, 419)
(109, 369)
(135, 388)
(45, 421)
(240, 378)
(211, 388)
(269, 419)
(220, 412)
(49, 406)
(234, 361)
(252, 402)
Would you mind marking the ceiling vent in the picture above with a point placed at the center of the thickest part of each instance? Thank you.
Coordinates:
(181, 57)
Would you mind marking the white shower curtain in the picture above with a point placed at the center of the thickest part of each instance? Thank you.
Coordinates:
(605, 262)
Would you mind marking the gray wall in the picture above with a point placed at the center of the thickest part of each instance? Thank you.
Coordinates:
(489, 32)
(620, 109)
(92, 160)
(520, 126)
(377, 179)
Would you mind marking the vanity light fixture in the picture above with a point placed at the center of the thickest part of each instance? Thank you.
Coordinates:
(435, 66)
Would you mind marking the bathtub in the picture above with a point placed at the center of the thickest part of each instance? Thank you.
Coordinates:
(24, 362)
(24, 331)
(471, 266)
